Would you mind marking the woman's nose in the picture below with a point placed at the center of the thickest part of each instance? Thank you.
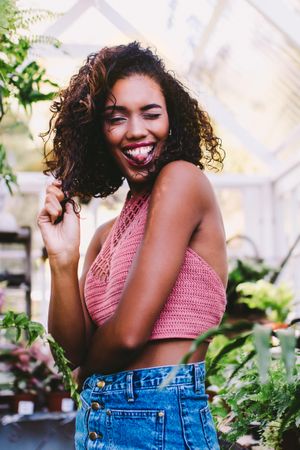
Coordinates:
(136, 128)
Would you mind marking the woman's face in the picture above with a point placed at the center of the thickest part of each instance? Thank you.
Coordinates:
(136, 127)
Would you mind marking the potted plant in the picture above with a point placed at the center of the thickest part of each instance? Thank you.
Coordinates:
(275, 300)
(26, 373)
(255, 373)
(270, 406)
(242, 271)
(57, 397)
(251, 270)
(257, 379)
(32, 362)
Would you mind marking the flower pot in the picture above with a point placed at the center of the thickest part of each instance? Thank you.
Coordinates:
(5, 403)
(23, 403)
(59, 401)
(291, 439)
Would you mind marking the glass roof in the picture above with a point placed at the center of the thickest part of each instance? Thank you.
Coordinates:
(242, 60)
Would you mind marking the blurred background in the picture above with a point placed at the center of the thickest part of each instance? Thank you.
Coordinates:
(240, 59)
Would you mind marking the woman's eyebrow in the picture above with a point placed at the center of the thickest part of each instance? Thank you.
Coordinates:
(152, 105)
(115, 108)
(123, 108)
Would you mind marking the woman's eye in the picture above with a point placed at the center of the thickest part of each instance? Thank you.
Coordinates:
(152, 116)
(113, 120)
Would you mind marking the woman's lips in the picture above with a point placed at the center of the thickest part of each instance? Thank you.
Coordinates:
(139, 157)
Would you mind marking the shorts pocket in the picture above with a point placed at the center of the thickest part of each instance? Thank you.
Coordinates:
(209, 430)
(136, 428)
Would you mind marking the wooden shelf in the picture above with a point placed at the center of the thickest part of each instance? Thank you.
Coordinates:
(20, 280)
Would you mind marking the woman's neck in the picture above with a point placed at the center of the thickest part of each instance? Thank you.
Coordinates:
(138, 191)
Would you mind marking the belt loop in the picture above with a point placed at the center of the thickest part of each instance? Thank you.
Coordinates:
(129, 387)
(86, 383)
(197, 378)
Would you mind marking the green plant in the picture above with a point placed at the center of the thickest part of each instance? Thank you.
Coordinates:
(23, 326)
(275, 300)
(54, 383)
(255, 386)
(21, 80)
(26, 369)
(264, 390)
(266, 404)
(242, 271)
(252, 271)
(5, 170)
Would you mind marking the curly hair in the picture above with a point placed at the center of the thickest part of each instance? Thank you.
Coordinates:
(79, 155)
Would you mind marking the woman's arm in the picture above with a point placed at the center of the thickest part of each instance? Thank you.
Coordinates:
(65, 319)
(68, 320)
(180, 198)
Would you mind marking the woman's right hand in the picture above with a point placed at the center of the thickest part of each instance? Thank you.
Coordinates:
(62, 239)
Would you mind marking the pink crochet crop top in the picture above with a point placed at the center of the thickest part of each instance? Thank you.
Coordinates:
(196, 302)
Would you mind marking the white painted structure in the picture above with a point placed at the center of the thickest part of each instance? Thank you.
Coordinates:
(242, 59)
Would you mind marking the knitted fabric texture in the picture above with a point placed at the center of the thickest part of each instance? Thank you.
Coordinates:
(196, 303)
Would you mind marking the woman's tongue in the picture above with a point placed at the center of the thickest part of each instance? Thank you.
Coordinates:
(140, 158)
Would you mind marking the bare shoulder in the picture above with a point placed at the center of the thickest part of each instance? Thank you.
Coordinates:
(183, 180)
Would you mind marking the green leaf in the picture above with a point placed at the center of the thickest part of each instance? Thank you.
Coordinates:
(34, 330)
(261, 335)
(232, 345)
(243, 363)
(293, 409)
(18, 334)
(8, 320)
(21, 319)
(287, 340)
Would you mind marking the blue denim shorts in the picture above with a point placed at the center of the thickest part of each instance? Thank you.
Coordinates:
(128, 410)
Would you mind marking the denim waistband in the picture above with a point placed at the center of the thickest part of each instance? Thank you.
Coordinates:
(192, 373)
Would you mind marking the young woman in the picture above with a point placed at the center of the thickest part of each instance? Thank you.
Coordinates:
(153, 278)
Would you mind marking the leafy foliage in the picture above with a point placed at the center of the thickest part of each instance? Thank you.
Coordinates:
(252, 385)
(21, 80)
(275, 300)
(5, 170)
(33, 330)
(269, 404)
(243, 271)
(255, 387)
(27, 369)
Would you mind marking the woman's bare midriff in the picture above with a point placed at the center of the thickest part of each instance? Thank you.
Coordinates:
(167, 352)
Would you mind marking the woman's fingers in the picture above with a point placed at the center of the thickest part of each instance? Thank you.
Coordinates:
(43, 217)
(53, 199)
(56, 191)
(57, 182)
